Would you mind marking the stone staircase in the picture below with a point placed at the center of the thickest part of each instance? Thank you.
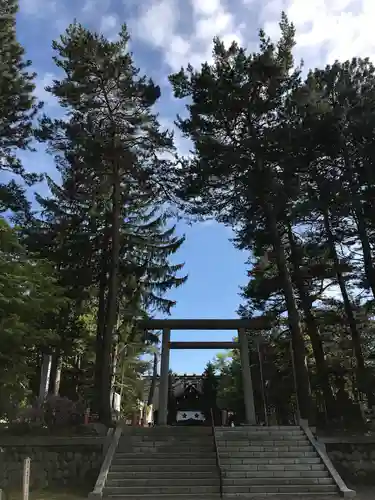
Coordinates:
(271, 461)
(176, 463)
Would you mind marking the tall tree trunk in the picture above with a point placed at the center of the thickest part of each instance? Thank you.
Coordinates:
(312, 327)
(112, 300)
(100, 323)
(299, 353)
(54, 387)
(356, 339)
(365, 243)
(115, 362)
(153, 380)
(360, 220)
(76, 378)
(100, 327)
(45, 374)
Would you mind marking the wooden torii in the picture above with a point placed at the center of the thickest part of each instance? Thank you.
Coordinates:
(241, 325)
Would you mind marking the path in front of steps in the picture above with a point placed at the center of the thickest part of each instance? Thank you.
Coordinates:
(363, 493)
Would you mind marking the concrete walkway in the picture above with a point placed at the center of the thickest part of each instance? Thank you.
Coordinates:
(363, 493)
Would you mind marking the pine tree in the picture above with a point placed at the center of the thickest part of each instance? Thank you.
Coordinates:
(238, 130)
(109, 206)
(209, 391)
(338, 176)
(17, 110)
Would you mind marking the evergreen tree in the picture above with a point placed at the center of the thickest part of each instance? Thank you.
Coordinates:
(29, 297)
(17, 110)
(241, 134)
(209, 391)
(111, 156)
(338, 179)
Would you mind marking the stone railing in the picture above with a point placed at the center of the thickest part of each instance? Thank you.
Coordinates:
(97, 492)
(55, 461)
(321, 451)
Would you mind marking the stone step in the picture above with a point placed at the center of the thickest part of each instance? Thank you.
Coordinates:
(272, 460)
(275, 473)
(287, 496)
(251, 448)
(254, 429)
(271, 481)
(265, 442)
(166, 454)
(274, 467)
(164, 482)
(268, 454)
(172, 446)
(165, 430)
(204, 441)
(258, 439)
(261, 428)
(178, 450)
(165, 460)
(171, 474)
(160, 468)
(269, 460)
(228, 431)
(173, 496)
(166, 437)
(295, 489)
(160, 490)
(261, 437)
(257, 430)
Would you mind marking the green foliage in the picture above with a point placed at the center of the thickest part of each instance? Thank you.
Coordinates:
(29, 297)
(286, 161)
(209, 389)
(103, 235)
(17, 110)
(105, 226)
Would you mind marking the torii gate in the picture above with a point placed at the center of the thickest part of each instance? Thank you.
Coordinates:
(241, 325)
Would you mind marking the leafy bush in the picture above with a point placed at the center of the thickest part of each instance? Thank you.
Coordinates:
(56, 413)
(62, 412)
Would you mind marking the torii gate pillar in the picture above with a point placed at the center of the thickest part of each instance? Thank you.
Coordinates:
(164, 378)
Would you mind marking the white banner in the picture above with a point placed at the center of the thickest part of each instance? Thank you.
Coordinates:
(190, 415)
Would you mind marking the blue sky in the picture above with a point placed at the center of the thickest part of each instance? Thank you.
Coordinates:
(165, 35)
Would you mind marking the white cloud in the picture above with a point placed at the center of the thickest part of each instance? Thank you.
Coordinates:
(206, 7)
(54, 16)
(211, 18)
(38, 8)
(95, 6)
(40, 91)
(182, 144)
(109, 26)
(209, 26)
(157, 23)
(183, 30)
(325, 29)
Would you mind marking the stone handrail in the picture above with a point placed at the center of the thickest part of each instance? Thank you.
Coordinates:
(108, 440)
(218, 464)
(97, 492)
(344, 490)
